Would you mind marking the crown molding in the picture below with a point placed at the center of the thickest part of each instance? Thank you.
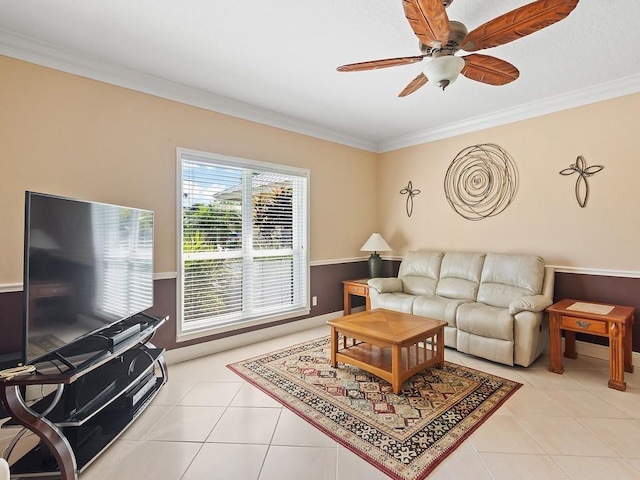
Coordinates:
(557, 103)
(29, 50)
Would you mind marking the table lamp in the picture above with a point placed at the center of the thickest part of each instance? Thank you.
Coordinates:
(375, 244)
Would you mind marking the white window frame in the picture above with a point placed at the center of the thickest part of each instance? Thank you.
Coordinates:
(182, 333)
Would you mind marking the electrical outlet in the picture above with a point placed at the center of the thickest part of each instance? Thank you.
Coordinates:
(314, 301)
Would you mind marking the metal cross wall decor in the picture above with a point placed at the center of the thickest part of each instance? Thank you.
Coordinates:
(582, 186)
(410, 192)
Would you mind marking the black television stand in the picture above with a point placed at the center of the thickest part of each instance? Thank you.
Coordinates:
(66, 362)
(101, 388)
(122, 334)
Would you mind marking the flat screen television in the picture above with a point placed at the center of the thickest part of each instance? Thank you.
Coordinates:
(87, 265)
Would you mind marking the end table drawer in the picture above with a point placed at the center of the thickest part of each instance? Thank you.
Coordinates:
(584, 325)
(361, 290)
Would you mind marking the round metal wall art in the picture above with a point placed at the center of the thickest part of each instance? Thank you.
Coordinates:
(481, 181)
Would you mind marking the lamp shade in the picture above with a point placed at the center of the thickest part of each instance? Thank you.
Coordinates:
(375, 244)
(444, 70)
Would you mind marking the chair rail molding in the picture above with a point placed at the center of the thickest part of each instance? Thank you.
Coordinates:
(595, 271)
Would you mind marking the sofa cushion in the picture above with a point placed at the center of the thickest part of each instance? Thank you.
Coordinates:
(507, 277)
(460, 275)
(485, 347)
(419, 272)
(485, 321)
(399, 302)
(386, 285)
(439, 308)
(532, 303)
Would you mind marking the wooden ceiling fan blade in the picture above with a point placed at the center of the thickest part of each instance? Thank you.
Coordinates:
(385, 63)
(489, 70)
(428, 20)
(518, 23)
(414, 85)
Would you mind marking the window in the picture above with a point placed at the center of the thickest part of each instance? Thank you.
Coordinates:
(243, 242)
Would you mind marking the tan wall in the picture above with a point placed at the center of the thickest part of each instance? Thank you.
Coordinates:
(67, 135)
(545, 217)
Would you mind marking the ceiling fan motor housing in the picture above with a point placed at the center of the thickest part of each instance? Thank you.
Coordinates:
(457, 33)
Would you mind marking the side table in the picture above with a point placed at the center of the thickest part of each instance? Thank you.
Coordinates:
(358, 287)
(612, 321)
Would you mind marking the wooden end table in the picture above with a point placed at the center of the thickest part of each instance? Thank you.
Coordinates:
(612, 321)
(391, 345)
(358, 287)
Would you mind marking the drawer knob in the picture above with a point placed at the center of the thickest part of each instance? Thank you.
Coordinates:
(583, 324)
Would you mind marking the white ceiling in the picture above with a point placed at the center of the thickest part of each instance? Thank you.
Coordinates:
(274, 61)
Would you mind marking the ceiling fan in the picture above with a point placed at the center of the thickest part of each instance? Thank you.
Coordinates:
(440, 39)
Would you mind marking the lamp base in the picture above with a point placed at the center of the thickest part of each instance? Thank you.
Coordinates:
(375, 265)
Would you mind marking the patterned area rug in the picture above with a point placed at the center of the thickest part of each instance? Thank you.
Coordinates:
(406, 435)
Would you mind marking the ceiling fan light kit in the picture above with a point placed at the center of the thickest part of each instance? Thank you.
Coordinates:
(441, 38)
(443, 71)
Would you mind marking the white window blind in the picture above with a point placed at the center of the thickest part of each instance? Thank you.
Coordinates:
(244, 254)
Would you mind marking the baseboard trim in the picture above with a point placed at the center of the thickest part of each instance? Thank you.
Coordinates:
(599, 351)
(191, 352)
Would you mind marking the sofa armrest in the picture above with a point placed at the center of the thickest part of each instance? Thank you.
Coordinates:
(386, 285)
(530, 303)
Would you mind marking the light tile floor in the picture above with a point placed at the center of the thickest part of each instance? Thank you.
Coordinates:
(209, 424)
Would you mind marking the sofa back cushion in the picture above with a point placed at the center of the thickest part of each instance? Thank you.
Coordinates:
(419, 272)
(460, 275)
(507, 277)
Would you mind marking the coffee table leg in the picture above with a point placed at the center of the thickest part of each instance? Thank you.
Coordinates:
(396, 367)
(440, 348)
(334, 346)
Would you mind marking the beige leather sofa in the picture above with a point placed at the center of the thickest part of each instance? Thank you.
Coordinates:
(4, 469)
(493, 302)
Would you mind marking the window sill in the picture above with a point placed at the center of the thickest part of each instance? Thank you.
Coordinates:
(208, 331)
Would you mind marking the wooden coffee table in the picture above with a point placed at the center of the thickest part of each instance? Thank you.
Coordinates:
(391, 345)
